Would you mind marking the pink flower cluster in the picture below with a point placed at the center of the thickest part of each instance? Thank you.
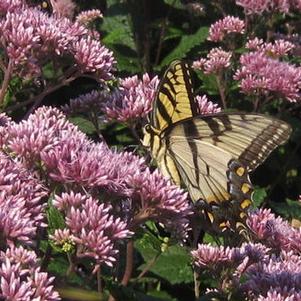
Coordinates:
(206, 106)
(277, 49)
(267, 269)
(216, 61)
(32, 38)
(21, 201)
(91, 226)
(274, 232)
(87, 103)
(133, 100)
(50, 145)
(261, 74)
(261, 6)
(88, 16)
(225, 26)
(22, 279)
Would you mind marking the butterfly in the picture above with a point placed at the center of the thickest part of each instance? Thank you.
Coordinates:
(210, 155)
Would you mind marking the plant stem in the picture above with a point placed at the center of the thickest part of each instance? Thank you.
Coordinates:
(99, 285)
(39, 98)
(149, 265)
(5, 83)
(129, 263)
(221, 90)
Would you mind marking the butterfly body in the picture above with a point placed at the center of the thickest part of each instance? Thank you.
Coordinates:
(210, 155)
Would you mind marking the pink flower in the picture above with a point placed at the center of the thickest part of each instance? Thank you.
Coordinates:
(277, 49)
(229, 24)
(160, 200)
(217, 60)
(33, 39)
(206, 106)
(21, 278)
(133, 100)
(260, 6)
(86, 17)
(274, 232)
(43, 129)
(210, 256)
(63, 8)
(95, 231)
(261, 74)
(21, 206)
(87, 103)
(91, 56)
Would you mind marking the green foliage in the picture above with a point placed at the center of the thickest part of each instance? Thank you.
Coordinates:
(173, 265)
(186, 43)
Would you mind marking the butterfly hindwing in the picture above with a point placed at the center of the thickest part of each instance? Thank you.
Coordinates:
(174, 100)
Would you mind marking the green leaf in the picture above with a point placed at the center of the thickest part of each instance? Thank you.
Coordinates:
(172, 265)
(84, 125)
(55, 219)
(175, 4)
(186, 43)
(289, 209)
(116, 24)
(259, 195)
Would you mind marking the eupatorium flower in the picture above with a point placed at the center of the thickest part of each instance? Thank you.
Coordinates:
(133, 99)
(274, 231)
(33, 38)
(279, 274)
(217, 60)
(91, 56)
(260, 74)
(260, 6)
(87, 103)
(21, 278)
(95, 231)
(63, 8)
(21, 206)
(207, 255)
(86, 17)
(45, 128)
(277, 49)
(229, 24)
(158, 199)
(206, 106)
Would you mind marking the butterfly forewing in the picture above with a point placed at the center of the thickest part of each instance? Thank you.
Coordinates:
(174, 101)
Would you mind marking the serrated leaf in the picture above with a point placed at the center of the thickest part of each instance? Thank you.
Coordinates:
(117, 26)
(84, 125)
(186, 43)
(55, 219)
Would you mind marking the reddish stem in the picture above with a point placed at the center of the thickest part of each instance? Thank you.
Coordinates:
(5, 83)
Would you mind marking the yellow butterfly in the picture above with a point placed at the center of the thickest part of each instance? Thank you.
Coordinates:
(211, 155)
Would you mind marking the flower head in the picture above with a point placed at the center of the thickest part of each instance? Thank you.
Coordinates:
(21, 278)
(229, 24)
(206, 106)
(133, 100)
(217, 60)
(260, 74)
(93, 228)
(211, 256)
